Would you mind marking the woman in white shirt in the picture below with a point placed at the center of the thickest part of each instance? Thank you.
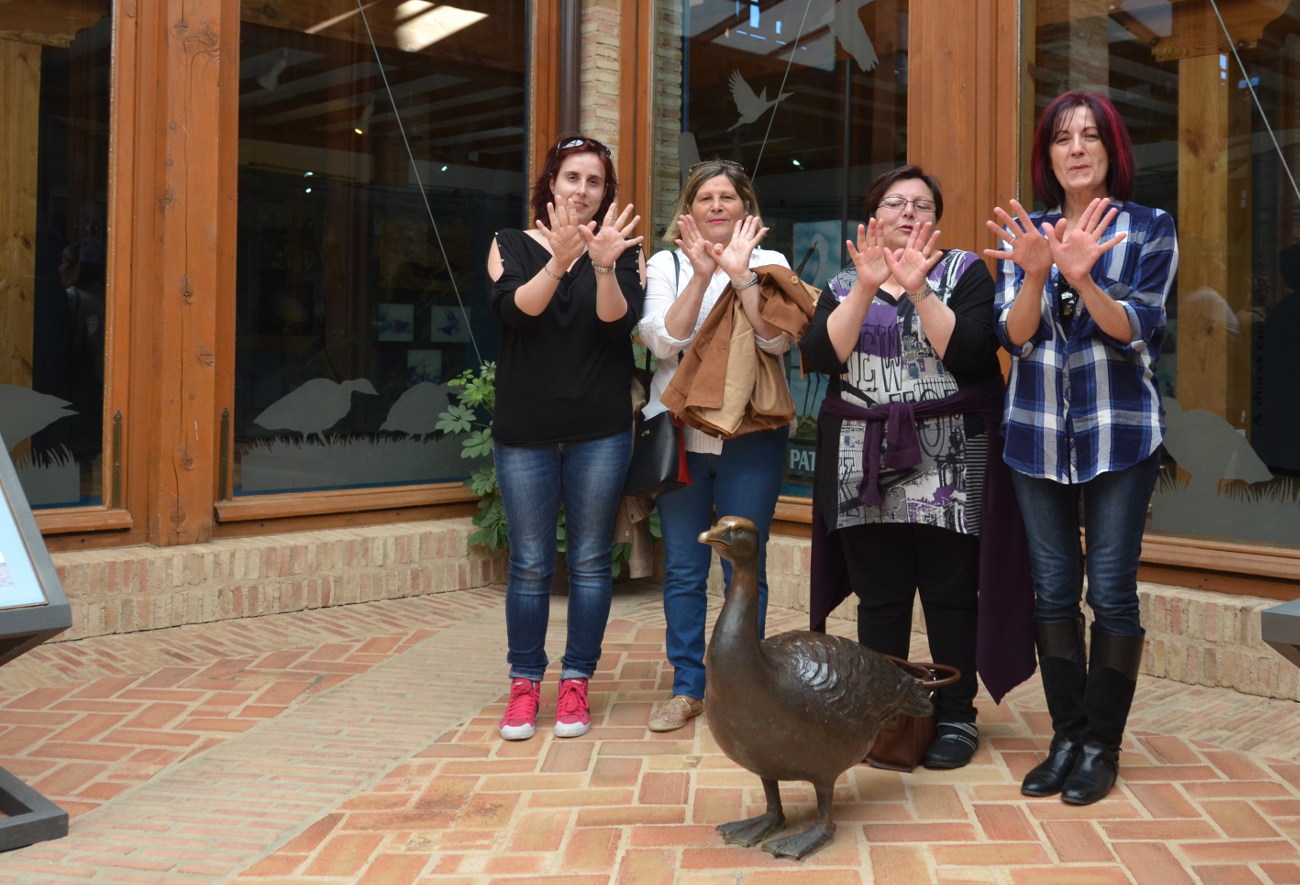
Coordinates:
(717, 230)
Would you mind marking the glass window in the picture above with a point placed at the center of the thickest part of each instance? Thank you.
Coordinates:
(811, 97)
(372, 177)
(1211, 95)
(54, 164)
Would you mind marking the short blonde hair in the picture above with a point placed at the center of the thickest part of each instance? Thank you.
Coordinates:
(695, 178)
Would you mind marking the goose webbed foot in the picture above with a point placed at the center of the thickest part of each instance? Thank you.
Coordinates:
(800, 845)
(752, 830)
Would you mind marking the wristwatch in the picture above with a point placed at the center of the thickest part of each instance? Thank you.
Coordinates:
(918, 297)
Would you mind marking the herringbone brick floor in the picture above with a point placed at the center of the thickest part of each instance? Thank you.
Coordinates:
(358, 744)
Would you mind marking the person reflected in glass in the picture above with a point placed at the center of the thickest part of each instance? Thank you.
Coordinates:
(567, 292)
(906, 323)
(1081, 308)
(716, 231)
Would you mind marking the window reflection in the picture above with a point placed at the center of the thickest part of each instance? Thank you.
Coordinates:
(811, 97)
(355, 258)
(1200, 104)
(52, 328)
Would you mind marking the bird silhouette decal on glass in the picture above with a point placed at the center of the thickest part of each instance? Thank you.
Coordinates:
(24, 412)
(845, 22)
(416, 411)
(314, 407)
(799, 706)
(750, 106)
(1209, 449)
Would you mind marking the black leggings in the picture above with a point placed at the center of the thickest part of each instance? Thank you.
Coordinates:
(887, 564)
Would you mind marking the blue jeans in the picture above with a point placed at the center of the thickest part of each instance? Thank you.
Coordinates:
(1114, 514)
(587, 478)
(744, 480)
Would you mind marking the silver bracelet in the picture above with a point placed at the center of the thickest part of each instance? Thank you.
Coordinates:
(918, 297)
(753, 281)
(547, 267)
(598, 269)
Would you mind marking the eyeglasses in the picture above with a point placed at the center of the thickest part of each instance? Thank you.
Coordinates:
(589, 143)
(896, 203)
(725, 164)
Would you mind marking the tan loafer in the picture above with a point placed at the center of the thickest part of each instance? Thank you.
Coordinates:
(672, 714)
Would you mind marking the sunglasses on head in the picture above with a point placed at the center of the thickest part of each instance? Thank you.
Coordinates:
(726, 164)
(589, 143)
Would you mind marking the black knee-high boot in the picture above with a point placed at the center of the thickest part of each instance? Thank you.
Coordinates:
(1112, 678)
(1061, 663)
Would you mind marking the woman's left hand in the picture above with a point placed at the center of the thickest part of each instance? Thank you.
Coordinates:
(1074, 257)
(734, 257)
(615, 234)
(910, 264)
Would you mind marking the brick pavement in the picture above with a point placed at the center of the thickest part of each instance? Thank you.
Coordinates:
(358, 744)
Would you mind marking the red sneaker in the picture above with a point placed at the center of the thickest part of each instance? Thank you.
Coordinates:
(572, 711)
(520, 721)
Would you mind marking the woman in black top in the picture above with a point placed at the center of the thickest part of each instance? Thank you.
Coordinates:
(901, 332)
(567, 293)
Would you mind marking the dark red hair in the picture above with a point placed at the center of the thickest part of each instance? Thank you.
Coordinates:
(1121, 169)
(565, 147)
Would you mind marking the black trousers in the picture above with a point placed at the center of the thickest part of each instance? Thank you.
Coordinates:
(887, 565)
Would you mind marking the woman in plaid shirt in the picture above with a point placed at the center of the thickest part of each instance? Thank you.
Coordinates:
(1081, 308)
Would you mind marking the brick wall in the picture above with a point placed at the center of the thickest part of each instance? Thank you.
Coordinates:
(146, 588)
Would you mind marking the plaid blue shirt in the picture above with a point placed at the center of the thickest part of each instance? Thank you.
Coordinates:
(1084, 404)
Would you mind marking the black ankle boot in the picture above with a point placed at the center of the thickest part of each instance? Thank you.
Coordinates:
(1047, 777)
(1093, 775)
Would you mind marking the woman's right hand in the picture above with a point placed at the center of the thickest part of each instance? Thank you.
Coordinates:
(869, 256)
(698, 250)
(1026, 245)
(563, 234)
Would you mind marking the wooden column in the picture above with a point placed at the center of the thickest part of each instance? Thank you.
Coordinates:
(20, 87)
(963, 112)
(636, 115)
(194, 261)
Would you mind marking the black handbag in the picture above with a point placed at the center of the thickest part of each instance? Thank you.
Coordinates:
(658, 458)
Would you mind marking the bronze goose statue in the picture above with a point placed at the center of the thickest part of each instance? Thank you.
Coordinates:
(799, 706)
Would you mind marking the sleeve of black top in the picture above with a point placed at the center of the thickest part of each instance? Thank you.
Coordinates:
(973, 344)
(816, 352)
(517, 269)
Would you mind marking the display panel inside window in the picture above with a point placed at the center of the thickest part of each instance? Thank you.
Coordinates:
(380, 150)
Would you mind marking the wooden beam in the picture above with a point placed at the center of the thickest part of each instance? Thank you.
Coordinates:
(636, 113)
(962, 53)
(20, 88)
(49, 23)
(197, 166)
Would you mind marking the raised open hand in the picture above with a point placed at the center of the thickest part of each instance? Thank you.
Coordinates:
(1025, 244)
(868, 255)
(734, 257)
(1075, 256)
(563, 233)
(615, 234)
(910, 264)
(698, 250)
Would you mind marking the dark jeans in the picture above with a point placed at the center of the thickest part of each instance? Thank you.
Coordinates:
(1114, 514)
(587, 477)
(888, 565)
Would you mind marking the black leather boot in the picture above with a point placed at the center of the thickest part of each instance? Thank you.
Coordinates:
(1061, 663)
(1112, 678)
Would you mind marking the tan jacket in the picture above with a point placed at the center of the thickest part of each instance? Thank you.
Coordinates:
(725, 385)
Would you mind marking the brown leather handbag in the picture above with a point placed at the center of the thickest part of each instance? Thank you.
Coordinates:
(902, 743)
